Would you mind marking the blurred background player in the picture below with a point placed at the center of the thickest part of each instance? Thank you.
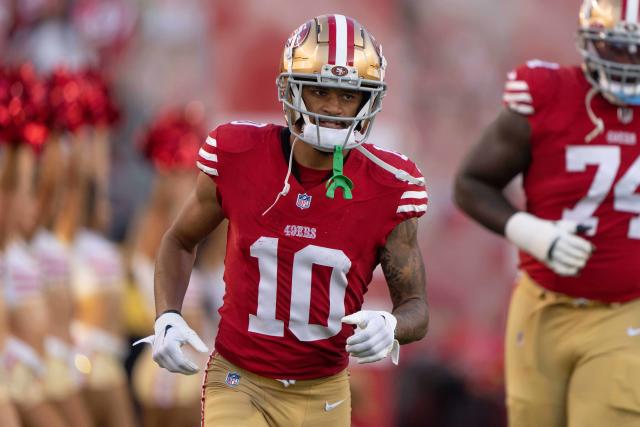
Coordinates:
(171, 144)
(572, 345)
(297, 261)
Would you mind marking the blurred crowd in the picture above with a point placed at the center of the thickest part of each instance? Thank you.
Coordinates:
(103, 104)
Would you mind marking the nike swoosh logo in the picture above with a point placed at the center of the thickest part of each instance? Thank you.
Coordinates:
(331, 406)
(166, 329)
(633, 332)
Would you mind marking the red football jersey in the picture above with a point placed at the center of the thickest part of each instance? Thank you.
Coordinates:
(594, 183)
(292, 273)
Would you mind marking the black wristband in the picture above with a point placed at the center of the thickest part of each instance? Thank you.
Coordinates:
(170, 311)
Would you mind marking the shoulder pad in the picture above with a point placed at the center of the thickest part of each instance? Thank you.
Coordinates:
(411, 198)
(238, 136)
(233, 137)
(530, 87)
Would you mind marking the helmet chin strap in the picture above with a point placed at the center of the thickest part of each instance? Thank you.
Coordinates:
(597, 121)
(286, 187)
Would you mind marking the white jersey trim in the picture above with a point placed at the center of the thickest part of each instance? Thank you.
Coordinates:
(208, 156)
(517, 97)
(414, 195)
(411, 208)
(521, 108)
(516, 85)
(206, 169)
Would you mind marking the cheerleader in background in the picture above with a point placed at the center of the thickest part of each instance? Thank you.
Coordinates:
(98, 280)
(8, 414)
(25, 130)
(27, 306)
(62, 380)
(171, 145)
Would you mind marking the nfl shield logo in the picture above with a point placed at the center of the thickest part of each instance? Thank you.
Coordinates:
(233, 379)
(303, 201)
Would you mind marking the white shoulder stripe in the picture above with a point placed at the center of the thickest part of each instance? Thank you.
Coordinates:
(211, 141)
(516, 85)
(517, 97)
(521, 108)
(414, 195)
(206, 169)
(411, 208)
(208, 156)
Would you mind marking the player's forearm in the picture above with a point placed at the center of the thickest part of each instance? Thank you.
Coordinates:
(413, 320)
(483, 202)
(173, 270)
(403, 267)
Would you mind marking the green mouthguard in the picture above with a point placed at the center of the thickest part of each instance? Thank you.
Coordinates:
(338, 180)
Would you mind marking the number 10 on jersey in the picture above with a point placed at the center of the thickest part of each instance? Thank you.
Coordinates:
(265, 249)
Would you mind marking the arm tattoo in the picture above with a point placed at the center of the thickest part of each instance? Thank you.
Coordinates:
(404, 272)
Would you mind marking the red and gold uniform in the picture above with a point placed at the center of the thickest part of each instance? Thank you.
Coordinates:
(294, 270)
(594, 183)
(573, 354)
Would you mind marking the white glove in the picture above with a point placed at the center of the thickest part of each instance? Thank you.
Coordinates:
(374, 337)
(553, 243)
(171, 333)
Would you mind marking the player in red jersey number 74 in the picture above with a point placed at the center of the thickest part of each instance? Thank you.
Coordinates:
(573, 332)
(312, 210)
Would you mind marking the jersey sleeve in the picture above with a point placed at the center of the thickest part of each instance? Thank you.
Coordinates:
(220, 155)
(409, 196)
(530, 88)
(227, 152)
(208, 156)
(413, 201)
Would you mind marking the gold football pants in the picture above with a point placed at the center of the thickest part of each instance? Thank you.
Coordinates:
(571, 362)
(233, 397)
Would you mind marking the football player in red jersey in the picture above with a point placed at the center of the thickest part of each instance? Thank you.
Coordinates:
(300, 254)
(573, 333)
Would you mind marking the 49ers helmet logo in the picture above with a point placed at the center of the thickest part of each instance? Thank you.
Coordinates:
(299, 35)
(339, 71)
